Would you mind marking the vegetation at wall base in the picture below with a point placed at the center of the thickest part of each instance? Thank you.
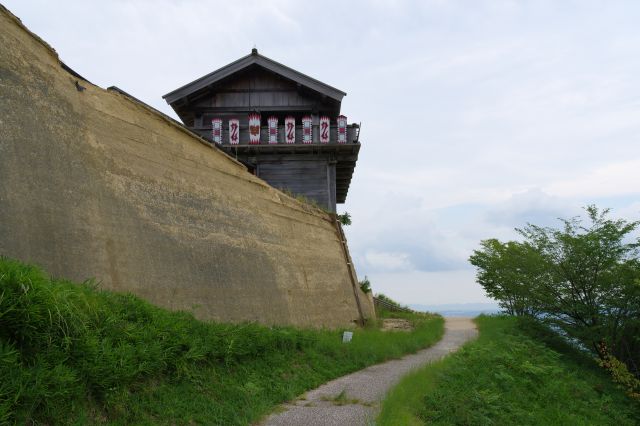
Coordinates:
(516, 373)
(73, 354)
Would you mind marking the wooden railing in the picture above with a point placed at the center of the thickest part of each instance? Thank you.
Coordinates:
(353, 134)
(389, 306)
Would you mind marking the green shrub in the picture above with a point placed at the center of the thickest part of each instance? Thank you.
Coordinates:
(344, 218)
(620, 374)
(365, 285)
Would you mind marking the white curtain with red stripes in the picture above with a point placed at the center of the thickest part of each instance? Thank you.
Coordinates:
(273, 129)
(307, 129)
(216, 130)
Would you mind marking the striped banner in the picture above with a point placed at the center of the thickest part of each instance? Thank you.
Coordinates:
(342, 129)
(325, 129)
(273, 129)
(234, 131)
(254, 128)
(290, 129)
(216, 130)
(307, 129)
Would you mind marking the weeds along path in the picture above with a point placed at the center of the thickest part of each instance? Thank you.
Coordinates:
(353, 400)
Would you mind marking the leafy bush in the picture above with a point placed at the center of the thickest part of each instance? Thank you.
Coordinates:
(619, 373)
(365, 285)
(344, 218)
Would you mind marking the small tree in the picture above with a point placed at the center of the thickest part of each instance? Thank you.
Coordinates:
(344, 218)
(511, 273)
(584, 279)
(365, 285)
(593, 294)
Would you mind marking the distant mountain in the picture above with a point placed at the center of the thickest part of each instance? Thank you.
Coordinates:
(459, 309)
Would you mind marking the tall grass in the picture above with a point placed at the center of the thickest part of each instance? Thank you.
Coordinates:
(73, 354)
(515, 373)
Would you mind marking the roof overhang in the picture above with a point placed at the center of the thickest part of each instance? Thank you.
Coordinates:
(254, 58)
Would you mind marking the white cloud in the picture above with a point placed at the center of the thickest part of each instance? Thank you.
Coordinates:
(387, 261)
(477, 116)
(613, 179)
(415, 287)
(531, 206)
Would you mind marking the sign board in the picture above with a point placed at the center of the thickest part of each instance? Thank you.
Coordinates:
(254, 128)
(307, 129)
(290, 129)
(216, 130)
(342, 129)
(273, 129)
(325, 129)
(234, 131)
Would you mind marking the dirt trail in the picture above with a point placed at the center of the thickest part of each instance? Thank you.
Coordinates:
(354, 400)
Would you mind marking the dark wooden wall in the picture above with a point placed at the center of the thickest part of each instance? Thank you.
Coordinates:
(255, 89)
(311, 176)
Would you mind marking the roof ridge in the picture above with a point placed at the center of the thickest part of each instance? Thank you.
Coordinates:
(263, 61)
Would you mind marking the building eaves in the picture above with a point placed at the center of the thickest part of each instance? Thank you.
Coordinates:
(246, 61)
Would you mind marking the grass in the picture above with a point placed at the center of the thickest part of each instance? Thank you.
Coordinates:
(514, 373)
(384, 313)
(73, 354)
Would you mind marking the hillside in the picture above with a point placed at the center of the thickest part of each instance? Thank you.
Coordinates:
(515, 373)
(74, 354)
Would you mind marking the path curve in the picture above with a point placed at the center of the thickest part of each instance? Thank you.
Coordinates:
(365, 389)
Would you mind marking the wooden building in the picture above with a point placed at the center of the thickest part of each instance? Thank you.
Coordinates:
(284, 125)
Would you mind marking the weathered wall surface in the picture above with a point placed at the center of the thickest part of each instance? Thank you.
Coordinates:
(93, 184)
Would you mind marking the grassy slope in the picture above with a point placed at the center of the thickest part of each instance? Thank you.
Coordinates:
(515, 373)
(71, 354)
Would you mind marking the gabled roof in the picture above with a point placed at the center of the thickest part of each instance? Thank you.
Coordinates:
(254, 59)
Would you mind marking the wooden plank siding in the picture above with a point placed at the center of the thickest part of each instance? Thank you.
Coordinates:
(262, 91)
(310, 176)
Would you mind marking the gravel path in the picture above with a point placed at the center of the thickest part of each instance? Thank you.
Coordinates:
(354, 400)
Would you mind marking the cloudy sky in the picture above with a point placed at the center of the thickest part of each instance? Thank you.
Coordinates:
(477, 116)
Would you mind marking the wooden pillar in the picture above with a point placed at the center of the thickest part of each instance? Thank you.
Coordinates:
(331, 185)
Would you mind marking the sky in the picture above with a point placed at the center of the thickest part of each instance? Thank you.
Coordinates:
(477, 116)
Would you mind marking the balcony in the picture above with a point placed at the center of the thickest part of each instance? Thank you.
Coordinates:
(353, 133)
